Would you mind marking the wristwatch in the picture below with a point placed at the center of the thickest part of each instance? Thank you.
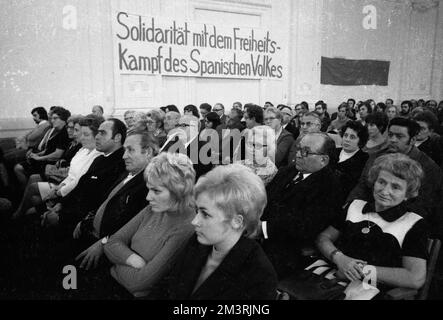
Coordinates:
(104, 240)
(333, 254)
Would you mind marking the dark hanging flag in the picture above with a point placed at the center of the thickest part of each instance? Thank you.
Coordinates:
(346, 72)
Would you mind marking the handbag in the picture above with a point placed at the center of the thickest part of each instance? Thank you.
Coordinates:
(54, 174)
(308, 285)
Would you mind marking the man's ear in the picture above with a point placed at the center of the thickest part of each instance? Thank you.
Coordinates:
(118, 138)
(325, 159)
(149, 153)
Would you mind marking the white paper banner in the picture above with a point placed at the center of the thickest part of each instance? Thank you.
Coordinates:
(153, 45)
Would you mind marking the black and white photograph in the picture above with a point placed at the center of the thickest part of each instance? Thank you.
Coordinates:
(229, 157)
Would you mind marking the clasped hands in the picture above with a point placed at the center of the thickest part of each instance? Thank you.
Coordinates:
(34, 156)
(350, 268)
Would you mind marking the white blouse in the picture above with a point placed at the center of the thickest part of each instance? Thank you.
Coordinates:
(80, 164)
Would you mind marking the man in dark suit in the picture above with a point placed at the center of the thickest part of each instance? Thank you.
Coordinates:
(93, 186)
(220, 110)
(302, 201)
(228, 134)
(288, 122)
(321, 109)
(428, 141)
(185, 139)
(126, 199)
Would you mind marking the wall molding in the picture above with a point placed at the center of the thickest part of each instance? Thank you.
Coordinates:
(253, 3)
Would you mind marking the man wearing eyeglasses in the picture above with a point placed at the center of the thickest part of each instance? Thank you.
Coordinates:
(309, 123)
(302, 201)
(220, 110)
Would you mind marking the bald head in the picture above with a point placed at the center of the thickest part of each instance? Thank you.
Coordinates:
(314, 152)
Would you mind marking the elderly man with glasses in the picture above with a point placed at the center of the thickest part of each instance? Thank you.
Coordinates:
(220, 110)
(302, 200)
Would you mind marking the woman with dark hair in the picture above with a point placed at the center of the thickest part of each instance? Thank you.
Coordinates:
(170, 108)
(351, 159)
(212, 120)
(191, 110)
(364, 110)
(380, 107)
(377, 123)
(351, 109)
(55, 145)
(372, 104)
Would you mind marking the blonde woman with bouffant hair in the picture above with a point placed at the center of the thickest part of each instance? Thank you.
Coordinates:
(144, 249)
(223, 261)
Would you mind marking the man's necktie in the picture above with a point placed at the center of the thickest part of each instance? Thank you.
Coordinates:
(297, 179)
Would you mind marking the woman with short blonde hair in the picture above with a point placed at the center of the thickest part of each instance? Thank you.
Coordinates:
(222, 262)
(175, 172)
(143, 250)
(235, 190)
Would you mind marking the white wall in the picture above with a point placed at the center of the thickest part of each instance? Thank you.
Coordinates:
(407, 35)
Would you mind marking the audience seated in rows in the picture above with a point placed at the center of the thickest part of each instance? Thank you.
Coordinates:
(56, 184)
(102, 173)
(95, 221)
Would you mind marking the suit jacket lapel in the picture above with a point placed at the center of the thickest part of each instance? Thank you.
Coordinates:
(283, 134)
(138, 179)
(305, 186)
